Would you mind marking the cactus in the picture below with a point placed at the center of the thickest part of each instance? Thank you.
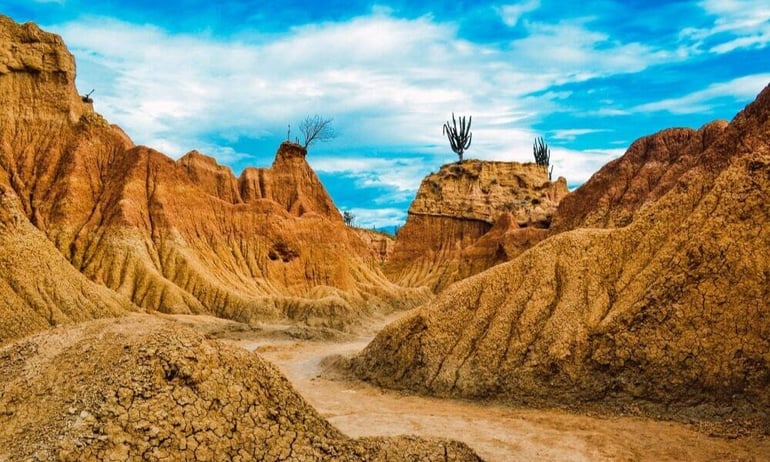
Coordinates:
(459, 140)
(542, 155)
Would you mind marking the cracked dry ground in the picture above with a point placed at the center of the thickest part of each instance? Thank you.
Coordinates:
(141, 388)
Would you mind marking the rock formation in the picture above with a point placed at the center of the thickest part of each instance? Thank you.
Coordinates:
(291, 183)
(648, 170)
(670, 311)
(38, 286)
(380, 244)
(179, 237)
(138, 388)
(216, 180)
(460, 204)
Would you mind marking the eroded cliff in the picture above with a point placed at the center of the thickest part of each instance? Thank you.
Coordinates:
(176, 236)
(461, 203)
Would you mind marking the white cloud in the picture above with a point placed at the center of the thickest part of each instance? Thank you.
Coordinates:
(608, 112)
(380, 218)
(401, 175)
(386, 81)
(702, 101)
(578, 166)
(736, 24)
(571, 133)
(569, 51)
(510, 14)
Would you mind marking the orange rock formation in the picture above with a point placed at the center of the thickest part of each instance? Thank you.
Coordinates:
(448, 233)
(179, 237)
(669, 312)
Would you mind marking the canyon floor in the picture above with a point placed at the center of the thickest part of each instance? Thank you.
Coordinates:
(496, 432)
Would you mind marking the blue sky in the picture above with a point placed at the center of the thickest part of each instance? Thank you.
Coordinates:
(227, 78)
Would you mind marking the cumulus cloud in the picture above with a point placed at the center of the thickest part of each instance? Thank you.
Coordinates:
(388, 80)
(736, 24)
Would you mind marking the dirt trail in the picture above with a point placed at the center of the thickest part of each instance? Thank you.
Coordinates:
(497, 433)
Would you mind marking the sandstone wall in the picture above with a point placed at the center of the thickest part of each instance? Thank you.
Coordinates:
(457, 206)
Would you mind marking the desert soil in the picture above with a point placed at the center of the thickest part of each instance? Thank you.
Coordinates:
(496, 432)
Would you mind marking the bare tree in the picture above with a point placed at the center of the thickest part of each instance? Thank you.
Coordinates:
(316, 128)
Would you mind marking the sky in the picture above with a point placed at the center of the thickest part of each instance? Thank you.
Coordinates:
(228, 78)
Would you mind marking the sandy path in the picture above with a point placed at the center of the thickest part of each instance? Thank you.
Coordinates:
(497, 433)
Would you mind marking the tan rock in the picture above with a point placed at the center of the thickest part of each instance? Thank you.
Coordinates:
(380, 244)
(38, 286)
(667, 314)
(458, 205)
(648, 170)
(216, 180)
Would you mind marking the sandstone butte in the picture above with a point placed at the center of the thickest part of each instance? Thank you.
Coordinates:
(92, 226)
(656, 302)
(470, 216)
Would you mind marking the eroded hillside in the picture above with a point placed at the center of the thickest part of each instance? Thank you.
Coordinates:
(180, 236)
(670, 311)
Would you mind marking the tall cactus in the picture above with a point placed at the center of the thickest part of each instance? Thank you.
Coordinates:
(459, 140)
(542, 155)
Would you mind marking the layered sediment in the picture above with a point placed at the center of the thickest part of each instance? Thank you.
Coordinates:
(461, 203)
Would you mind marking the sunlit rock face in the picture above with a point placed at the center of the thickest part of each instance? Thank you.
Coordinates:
(668, 311)
(470, 216)
(119, 227)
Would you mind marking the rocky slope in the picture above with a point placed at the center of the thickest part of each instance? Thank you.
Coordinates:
(380, 244)
(38, 286)
(461, 203)
(176, 236)
(668, 313)
(138, 388)
(648, 170)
